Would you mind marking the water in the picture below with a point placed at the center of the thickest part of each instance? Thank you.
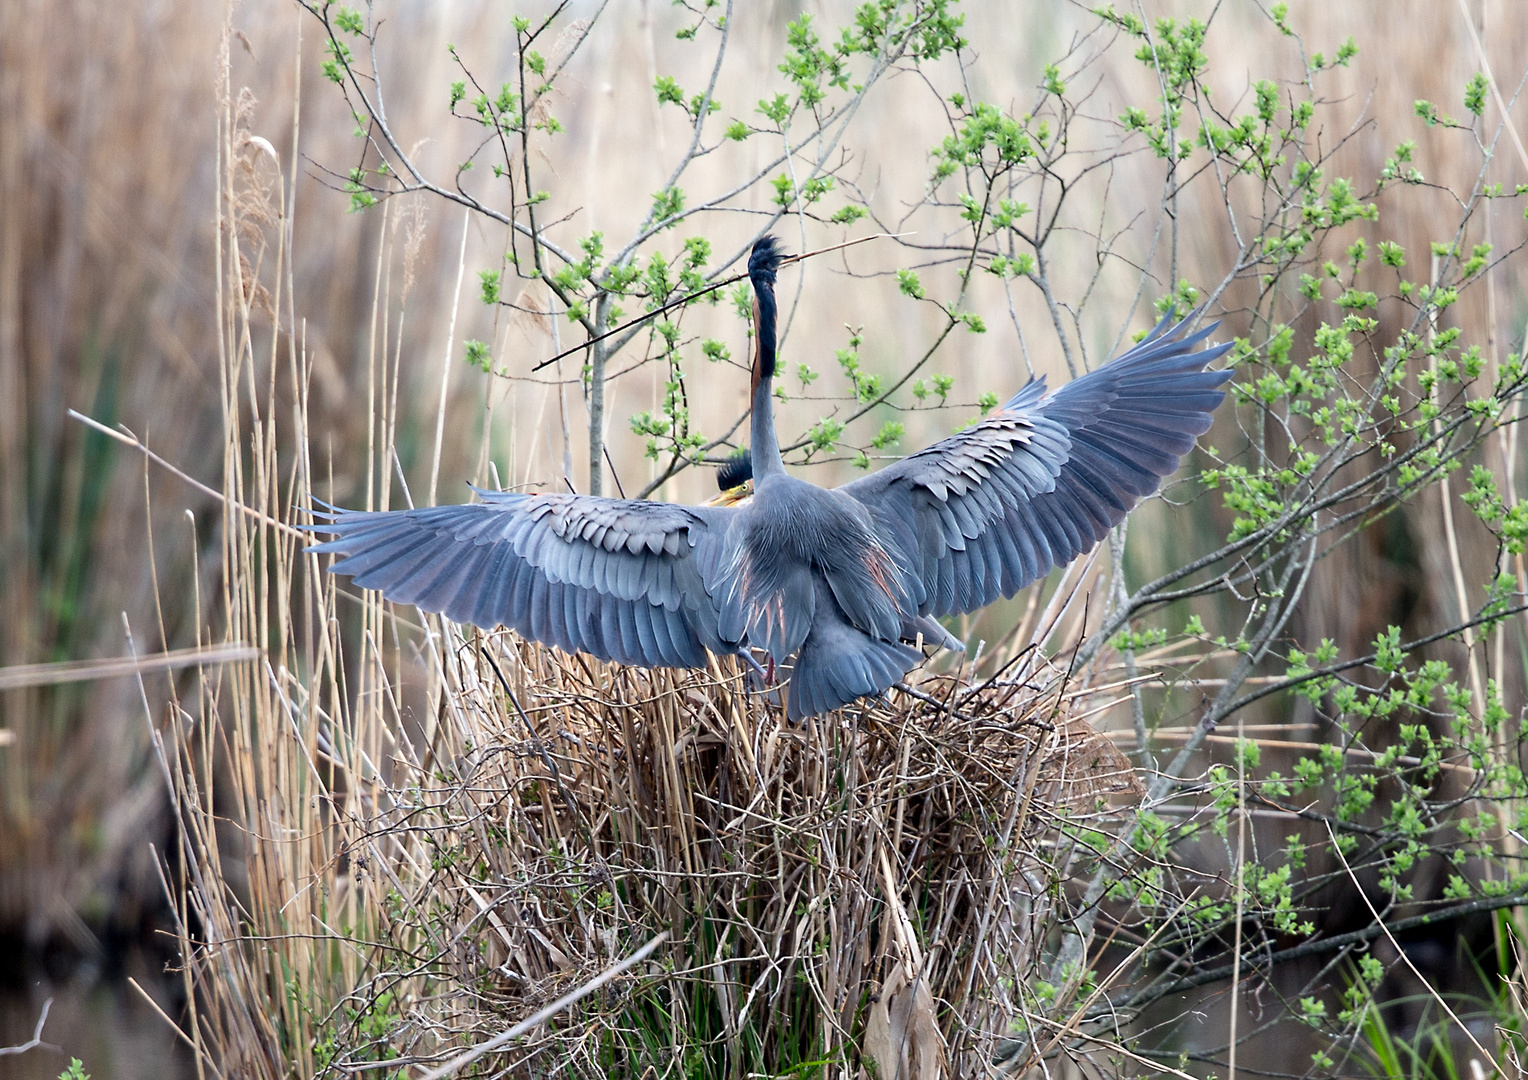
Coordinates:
(98, 1018)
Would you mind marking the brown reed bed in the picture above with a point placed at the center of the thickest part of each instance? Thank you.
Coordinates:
(822, 886)
(398, 840)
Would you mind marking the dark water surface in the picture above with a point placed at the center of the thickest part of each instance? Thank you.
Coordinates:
(102, 1021)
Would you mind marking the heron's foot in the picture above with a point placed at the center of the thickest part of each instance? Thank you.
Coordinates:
(755, 669)
(761, 677)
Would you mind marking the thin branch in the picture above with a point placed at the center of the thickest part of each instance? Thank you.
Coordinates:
(688, 297)
(456, 1064)
(35, 1042)
(127, 438)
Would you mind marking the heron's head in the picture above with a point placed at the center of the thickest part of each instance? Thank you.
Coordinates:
(734, 478)
(762, 264)
(736, 470)
(764, 261)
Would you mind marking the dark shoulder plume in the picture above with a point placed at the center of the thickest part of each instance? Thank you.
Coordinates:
(762, 264)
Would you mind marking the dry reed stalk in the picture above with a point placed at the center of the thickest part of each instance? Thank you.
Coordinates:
(423, 869)
(412, 879)
(575, 807)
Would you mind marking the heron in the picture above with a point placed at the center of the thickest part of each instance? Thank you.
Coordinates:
(734, 478)
(840, 587)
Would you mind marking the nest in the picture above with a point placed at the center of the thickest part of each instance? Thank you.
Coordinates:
(869, 892)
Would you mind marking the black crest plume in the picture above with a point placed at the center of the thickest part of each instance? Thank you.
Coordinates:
(737, 469)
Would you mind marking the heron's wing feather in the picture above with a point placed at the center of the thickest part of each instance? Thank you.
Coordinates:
(620, 579)
(986, 511)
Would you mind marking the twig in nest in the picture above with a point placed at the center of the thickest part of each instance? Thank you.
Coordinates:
(458, 1063)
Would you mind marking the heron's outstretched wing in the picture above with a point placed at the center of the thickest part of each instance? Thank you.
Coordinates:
(986, 511)
(620, 579)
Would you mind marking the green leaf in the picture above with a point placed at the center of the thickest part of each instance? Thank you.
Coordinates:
(667, 204)
(1475, 94)
(339, 61)
(890, 434)
(826, 434)
(776, 109)
(490, 285)
(349, 20)
(668, 91)
(478, 356)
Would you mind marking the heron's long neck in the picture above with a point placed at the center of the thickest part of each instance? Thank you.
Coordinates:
(766, 447)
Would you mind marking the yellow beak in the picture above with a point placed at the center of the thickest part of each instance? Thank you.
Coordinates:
(733, 496)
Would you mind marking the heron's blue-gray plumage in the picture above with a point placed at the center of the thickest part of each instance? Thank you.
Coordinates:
(619, 579)
(988, 510)
(839, 663)
(833, 584)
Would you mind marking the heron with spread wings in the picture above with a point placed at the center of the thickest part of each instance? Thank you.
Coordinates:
(840, 585)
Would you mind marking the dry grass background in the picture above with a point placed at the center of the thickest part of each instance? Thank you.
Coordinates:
(108, 230)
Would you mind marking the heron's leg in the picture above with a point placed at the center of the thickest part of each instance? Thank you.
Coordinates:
(758, 669)
(761, 678)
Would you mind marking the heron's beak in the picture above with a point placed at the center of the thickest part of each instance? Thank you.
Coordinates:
(733, 496)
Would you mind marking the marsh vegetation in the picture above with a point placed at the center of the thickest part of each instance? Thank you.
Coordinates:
(1240, 793)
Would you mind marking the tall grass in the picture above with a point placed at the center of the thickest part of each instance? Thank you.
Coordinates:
(108, 176)
(384, 854)
(97, 310)
(418, 871)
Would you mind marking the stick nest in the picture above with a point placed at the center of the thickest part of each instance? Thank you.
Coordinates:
(873, 886)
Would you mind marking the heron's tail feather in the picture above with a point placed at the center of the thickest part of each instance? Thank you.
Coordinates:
(838, 664)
